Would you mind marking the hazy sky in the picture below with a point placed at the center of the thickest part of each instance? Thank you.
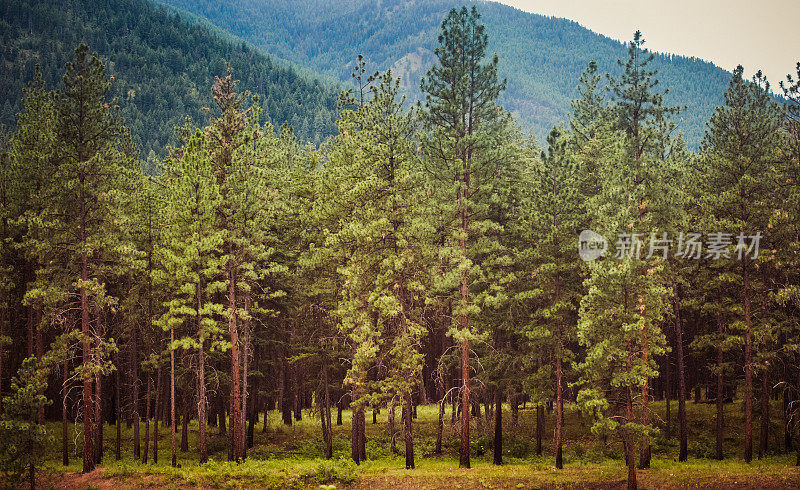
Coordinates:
(758, 34)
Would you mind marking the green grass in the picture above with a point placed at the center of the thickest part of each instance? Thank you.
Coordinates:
(291, 456)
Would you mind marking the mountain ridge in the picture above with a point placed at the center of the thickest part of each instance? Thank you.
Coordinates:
(541, 56)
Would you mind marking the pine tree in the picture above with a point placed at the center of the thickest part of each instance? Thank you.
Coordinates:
(226, 135)
(555, 214)
(463, 124)
(739, 149)
(94, 160)
(639, 112)
(192, 260)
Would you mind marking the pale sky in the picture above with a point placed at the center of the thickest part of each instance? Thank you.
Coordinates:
(758, 34)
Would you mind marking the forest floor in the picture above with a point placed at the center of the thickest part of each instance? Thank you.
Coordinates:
(289, 457)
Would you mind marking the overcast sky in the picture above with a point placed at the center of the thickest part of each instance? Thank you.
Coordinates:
(758, 34)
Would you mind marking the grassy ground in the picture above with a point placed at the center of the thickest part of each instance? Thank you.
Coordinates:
(289, 457)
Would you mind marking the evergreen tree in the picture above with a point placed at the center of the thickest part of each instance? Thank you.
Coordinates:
(639, 113)
(192, 260)
(464, 126)
(739, 150)
(555, 214)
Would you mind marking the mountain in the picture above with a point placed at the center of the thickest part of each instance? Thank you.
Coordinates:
(542, 57)
(163, 65)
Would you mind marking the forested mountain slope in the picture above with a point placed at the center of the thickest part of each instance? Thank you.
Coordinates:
(542, 57)
(163, 66)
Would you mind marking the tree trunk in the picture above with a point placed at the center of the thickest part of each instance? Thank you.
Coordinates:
(88, 412)
(185, 428)
(155, 413)
(627, 437)
(98, 416)
(236, 394)
(202, 424)
(172, 395)
(497, 449)
(539, 428)
(286, 408)
(64, 417)
(464, 449)
(440, 428)
(683, 451)
(748, 366)
(407, 433)
(787, 429)
(147, 418)
(118, 439)
(644, 452)
(630, 454)
(559, 403)
(327, 431)
(391, 429)
(135, 391)
(668, 396)
(355, 437)
(764, 433)
(245, 367)
(720, 422)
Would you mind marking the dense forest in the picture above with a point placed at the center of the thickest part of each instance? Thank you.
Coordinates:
(542, 56)
(161, 62)
(425, 257)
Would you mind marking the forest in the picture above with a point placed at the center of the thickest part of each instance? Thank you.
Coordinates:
(605, 307)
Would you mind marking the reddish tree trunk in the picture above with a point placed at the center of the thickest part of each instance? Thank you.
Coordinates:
(236, 393)
(720, 422)
(748, 366)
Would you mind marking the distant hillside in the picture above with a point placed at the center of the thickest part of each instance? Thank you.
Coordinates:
(163, 65)
(542, 57)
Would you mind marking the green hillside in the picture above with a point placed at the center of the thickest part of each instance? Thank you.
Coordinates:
(542, 57)
(163, 65)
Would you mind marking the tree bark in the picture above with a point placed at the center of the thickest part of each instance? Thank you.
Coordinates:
(155, 413)
(64, 417)
(559, 402)
(463, 461)
(676, 305)
(764, 432)
(202, 424)
(391, 429)
(147, 418)
(440, 427)
(497, 449)
(236, 394)
(172, 395)
(720, 422)
(135, 392)
(98, 415)
(407, 432)
(327, 431)
(88, 412)
(118, 438)
(644, 452)
(748, 366)
(539, 428)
